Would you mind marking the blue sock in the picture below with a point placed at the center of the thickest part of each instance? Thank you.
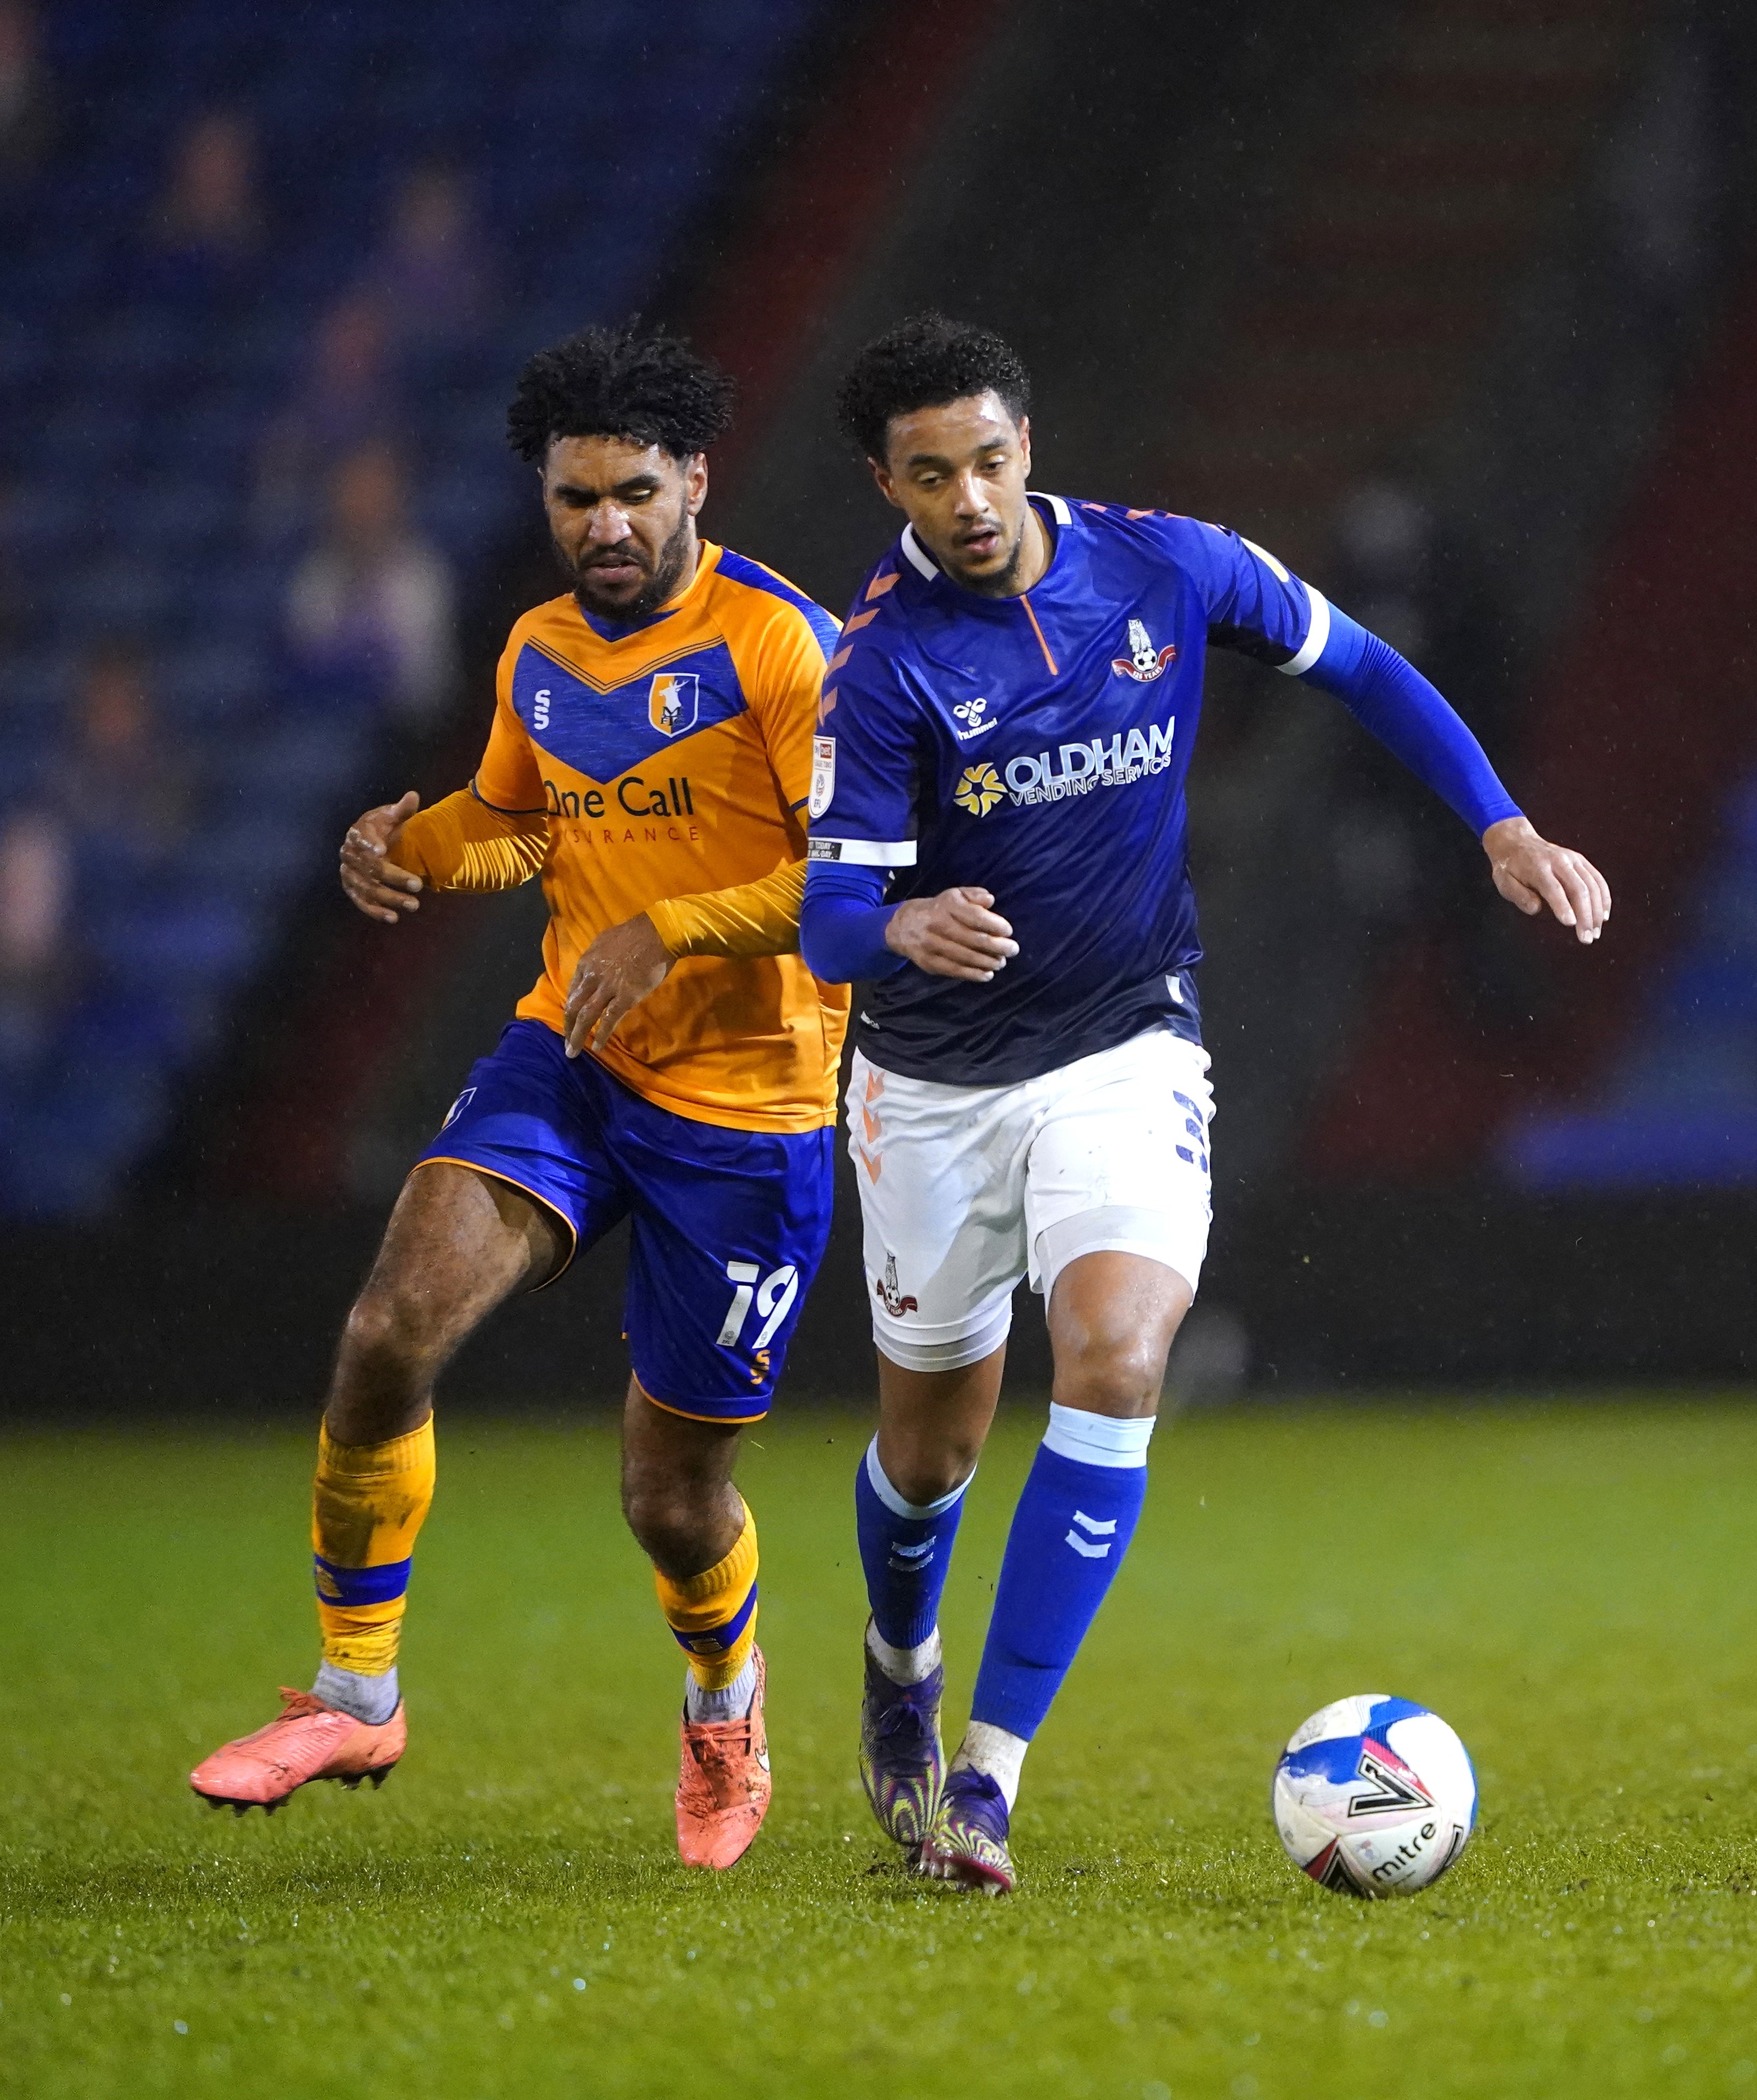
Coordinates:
(906, 1551)
(1071, 1528)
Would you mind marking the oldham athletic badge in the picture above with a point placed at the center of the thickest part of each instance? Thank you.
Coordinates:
(1143, 663)
(673, 699)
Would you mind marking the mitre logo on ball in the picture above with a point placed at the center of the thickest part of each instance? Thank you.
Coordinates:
(1374, 1797)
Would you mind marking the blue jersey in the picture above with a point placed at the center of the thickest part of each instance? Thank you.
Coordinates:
(1037, 747)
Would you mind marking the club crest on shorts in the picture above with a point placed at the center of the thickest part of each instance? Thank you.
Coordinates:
(823, 774)
(886, 1288)
(978, 789)
(1143, 663)
(672, 700)
(458, 1107)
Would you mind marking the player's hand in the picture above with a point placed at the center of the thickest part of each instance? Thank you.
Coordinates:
(615, 973)
(372, 880)
(1530, 872)
(952, 935)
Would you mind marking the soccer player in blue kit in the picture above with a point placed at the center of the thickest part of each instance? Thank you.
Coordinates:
(998, 842)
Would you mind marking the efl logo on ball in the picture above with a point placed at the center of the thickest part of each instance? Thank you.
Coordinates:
(1374, 1797)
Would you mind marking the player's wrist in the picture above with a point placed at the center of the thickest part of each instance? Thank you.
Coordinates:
(1506, 833)
(896, 926)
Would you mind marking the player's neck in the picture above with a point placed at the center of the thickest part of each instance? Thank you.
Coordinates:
(1035, 555)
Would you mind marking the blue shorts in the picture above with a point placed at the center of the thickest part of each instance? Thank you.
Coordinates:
(728, 1226)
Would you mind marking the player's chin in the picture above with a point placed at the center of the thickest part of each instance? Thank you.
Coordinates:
(609, 599)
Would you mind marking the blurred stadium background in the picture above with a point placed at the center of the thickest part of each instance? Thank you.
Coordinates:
(1454, 306)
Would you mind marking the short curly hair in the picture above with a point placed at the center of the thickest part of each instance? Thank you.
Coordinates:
(923, 363)
(618, 382)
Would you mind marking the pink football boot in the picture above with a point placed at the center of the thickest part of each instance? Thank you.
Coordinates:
(722, 1789)
(310, 1740)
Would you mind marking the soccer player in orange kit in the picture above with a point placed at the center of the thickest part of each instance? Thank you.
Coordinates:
(675, 1063)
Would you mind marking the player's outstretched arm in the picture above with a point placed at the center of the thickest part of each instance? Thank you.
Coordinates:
(1530, 872)
(369, 875)
(1388, 695)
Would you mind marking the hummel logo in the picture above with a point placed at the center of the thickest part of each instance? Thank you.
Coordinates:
(972, 714)
(1105, 1530)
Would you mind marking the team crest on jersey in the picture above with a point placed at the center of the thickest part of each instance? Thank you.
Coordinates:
(978, 789)
(672, 700)
(1143, 663)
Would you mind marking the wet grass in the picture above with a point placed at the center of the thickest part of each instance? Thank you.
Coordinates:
(1573, 1587)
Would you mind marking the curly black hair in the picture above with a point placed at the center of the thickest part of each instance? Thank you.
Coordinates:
(923, 363)
(610, 382)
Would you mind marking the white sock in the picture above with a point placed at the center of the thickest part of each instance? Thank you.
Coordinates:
(904, 1665)
(994, 1751)
(371, 1700)
(731, 1703)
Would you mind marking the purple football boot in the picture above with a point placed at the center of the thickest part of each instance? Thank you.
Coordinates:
(902, 1762)
(966, 1842)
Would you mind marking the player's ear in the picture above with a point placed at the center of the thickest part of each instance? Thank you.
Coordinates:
(695, 483)
(1024, 444)
(880, 474)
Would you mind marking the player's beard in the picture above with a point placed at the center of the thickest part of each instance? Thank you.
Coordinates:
(1002, 583)
(667, 572)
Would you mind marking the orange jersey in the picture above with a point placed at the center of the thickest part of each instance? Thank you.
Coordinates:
(672, 757)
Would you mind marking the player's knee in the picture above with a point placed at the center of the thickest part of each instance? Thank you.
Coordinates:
(386, 1339)
(1109, 1374)
(925, 1476)
(672, 1524)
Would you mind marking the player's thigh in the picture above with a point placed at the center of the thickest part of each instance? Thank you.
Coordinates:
(531, 1121)
(942, 1175)
(1120, 1162)
(728, 1231)
(457, 1245)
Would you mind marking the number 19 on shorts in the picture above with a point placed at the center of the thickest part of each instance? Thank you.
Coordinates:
(773, 1297)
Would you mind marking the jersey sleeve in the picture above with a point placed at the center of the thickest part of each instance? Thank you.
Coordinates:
(866, 764)
(759, 918)
(1254, 604)
(784, 694)
(461, 844)
(507, 779)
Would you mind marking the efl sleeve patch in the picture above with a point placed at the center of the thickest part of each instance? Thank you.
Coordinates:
(823, 774)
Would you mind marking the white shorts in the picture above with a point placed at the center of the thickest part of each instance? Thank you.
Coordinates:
(964, 1189)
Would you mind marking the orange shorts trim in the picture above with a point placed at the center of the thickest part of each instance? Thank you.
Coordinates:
(490, 1174)
(688, 1415)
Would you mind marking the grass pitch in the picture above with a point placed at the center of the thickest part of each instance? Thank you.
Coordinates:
(1572, 1587)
